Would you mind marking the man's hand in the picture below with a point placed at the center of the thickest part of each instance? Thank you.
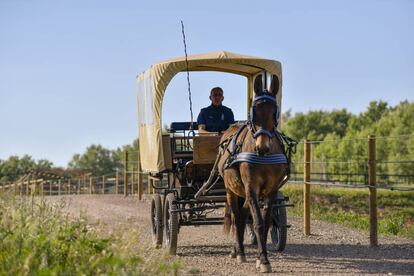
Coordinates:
(203, 132)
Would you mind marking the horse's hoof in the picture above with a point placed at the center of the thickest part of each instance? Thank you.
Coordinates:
(241, 259)
(265, 268)
(233, 255)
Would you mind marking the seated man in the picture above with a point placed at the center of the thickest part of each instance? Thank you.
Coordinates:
(215, 118)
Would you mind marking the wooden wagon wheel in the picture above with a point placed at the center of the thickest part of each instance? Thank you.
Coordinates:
(170, 224)
(156, 220)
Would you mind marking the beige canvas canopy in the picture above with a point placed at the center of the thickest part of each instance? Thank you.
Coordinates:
(152, 83)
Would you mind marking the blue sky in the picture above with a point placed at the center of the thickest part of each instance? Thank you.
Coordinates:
(67, 68)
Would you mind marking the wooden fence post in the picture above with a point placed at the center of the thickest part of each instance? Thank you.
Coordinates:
(42, 188)
(90, 185)
(79, 186)
(103, 184)
(59, 186)
(50, 187)
(126, 173)
(68, 188)
(27, 185)
(33, 191)
(306, 187)
(133, 181)
(139, 180)
(117, 182)
(372, 180)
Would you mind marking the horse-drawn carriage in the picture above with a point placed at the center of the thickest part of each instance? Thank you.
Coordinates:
(183, 166)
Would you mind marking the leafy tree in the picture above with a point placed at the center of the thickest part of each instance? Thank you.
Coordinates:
(345, 152)
(15, 167)
(375, 111)
(97, 160)
(316, 125)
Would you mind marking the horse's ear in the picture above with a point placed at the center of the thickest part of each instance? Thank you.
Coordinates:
(274, 85)
(258, 85)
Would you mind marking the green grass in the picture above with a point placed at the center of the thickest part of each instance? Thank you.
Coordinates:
(350, 207)
(39, 239)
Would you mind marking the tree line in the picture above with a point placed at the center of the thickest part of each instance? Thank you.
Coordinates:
(342, 145)
(341, 136)
(95, 160)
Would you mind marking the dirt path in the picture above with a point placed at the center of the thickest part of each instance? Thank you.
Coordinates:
(331, 249)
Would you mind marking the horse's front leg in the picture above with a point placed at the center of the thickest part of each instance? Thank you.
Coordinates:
(267, 214)
(259, 229)
(240, 223)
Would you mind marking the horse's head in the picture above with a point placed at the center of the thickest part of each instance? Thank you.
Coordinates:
(264, 113)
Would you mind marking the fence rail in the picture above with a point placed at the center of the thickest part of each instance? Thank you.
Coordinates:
(313, 172)
(71, 186)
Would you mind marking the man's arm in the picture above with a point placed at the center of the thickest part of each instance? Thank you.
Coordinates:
(202, 124)
(202, 130)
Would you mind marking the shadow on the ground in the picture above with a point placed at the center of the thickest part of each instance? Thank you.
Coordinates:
(385, 259)
(207, 250)
(396, 259)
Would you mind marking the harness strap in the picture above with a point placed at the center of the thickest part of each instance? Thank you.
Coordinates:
(265, 96)
(233, 147)
(263, 131)
(254, 158)
(291, 148)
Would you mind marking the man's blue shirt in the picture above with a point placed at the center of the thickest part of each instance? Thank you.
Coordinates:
(216, 118)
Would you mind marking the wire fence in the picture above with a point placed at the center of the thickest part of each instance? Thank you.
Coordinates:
(333, 162)
(364, 163)
(344, 163)
(126, 183)
(372, 164)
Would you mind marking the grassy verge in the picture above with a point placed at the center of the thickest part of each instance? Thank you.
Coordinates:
(350, 207)
(38, 239)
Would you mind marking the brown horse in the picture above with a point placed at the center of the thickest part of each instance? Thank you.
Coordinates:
(253, 165)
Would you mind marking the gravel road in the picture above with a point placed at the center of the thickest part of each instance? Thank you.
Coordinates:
(331, 249)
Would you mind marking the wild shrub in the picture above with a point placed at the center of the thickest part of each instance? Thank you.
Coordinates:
(39, 239)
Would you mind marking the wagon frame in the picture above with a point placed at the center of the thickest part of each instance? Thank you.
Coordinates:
(179, 163)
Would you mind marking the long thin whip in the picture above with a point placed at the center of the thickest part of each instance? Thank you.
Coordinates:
(188, 76)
